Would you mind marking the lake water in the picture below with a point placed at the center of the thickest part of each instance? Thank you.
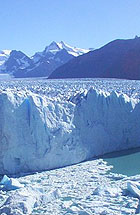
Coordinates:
(125, 162)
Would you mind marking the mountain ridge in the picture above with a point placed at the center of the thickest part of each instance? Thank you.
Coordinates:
(117, 59)
(41, 64)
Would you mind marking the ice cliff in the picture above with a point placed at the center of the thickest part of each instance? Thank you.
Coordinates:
(39, 133)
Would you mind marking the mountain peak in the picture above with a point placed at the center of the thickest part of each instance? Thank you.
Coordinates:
(136, 37)
(4, 55)
(63, 43)
(55, 47)
(5, 52)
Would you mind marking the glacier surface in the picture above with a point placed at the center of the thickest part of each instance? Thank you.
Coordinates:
(51, 124)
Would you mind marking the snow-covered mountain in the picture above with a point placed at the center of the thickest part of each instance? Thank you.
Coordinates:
(4, 55)
(54, 48)
(41, 64)
(16, 61)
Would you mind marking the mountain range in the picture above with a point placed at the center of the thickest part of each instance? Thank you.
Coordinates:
(41, 64)
(118, 59)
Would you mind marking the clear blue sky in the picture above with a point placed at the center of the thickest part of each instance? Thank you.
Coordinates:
(30, 25)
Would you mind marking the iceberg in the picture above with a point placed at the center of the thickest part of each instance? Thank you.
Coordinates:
(7, 184)
(134, 188)
(40, 133)
(21, 202)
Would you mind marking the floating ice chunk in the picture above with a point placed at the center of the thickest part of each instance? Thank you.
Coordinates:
(134, 188)
(23, 201)
(4, 180)
(107, 190)
(22, 207)
(9, 184)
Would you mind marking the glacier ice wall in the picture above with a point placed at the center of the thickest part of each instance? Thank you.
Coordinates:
(38, 133)
(107, 122)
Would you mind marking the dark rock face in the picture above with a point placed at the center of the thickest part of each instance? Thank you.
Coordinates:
(118, 59)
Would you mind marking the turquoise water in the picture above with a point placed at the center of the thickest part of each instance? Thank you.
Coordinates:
(125, 162)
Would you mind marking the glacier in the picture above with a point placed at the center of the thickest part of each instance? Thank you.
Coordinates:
(44, 127)
(49, 124)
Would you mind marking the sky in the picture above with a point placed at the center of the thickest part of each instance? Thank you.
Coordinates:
(31, 25)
